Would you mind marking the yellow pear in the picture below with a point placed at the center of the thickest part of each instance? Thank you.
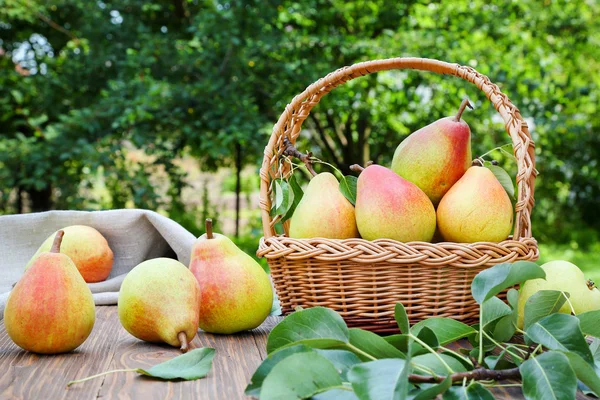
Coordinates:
(323, 211)
(567, 277)
(159, 302)
(475, 209)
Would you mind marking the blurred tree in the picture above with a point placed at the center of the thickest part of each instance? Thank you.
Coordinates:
(84, 82)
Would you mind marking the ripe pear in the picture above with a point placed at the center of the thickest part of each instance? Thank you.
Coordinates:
(87, 248)
(389, 206)
(235, 292)
(567, 277)
(475, 209)
(51, 309)
(159, 302)
(436, 156)
(323, 211)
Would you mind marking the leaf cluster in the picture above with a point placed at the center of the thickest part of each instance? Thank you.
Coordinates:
(313, 354)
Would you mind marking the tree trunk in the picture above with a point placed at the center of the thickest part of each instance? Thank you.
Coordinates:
(238, 186)
(41, 200)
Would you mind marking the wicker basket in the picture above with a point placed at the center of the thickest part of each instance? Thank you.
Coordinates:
(361, 279)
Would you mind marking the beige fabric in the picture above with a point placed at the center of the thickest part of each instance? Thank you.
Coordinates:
(133, 235)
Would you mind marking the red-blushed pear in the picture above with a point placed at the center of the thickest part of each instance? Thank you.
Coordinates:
(436, 156)
(87, 248)
(323, 211)
(159, 302)
(235, 292)
(389, 206)
(475, 209)
(51, 309)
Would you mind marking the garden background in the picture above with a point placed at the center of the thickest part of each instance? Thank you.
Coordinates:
(167, 105)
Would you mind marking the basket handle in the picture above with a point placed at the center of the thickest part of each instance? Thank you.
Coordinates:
(297, 111)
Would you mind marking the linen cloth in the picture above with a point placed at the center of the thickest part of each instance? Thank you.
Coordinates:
(133, 235)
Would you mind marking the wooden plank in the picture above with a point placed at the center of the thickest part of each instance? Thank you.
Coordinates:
(262, 332)
(236, 358)
(29, 376)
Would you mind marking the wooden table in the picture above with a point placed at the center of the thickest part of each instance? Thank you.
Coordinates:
(25, 375)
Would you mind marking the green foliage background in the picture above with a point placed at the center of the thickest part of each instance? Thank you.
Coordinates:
(83, 81)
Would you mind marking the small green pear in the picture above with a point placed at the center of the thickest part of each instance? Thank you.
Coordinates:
(235, 292)
(323, 211)
(51, 309)
(475, 209)
(567, 277)
(159, 302)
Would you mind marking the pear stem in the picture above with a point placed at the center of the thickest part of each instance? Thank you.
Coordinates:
(184, 342)
(57, 242)
(208, 226)
(292, 151)
(101, 374)
(465, 103)
(356, 168)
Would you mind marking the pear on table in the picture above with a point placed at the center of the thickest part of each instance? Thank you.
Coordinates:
(159, 302)
(475, 209)
(566, 277)
(235, 291)
(436, 156)
(87, 248)
(389, 206)
(51, 309)
(323, 211)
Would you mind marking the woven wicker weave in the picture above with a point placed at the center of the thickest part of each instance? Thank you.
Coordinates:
(361, 279)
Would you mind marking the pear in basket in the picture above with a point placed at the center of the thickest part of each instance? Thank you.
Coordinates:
(158, 302)
(323, 211)
(87, 248)
(436, 156)
(235, 292)
(389, 206)
(51, 309)
(475, 209)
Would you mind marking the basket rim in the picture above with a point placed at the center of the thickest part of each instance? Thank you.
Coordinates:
(290, 122)
(388, 251)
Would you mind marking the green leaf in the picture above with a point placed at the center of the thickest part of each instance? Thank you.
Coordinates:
(380, 380)
(513, 298)
(475, 391)
(401, 318)
(402, 343)
(348, 188)
(492, 281)
(317, 327)
(300, 376)
(18, 96)
(590, 323)
(561, 332)
(284, 197)
(447, 330)
(492, 310)
(585, 373)
(335, 394)
(194, 364)
(505, 327)
(297, 194)
(542, 304)
(253, 388)
(427, 392)
(500, 361)
(428, 337)
(373, 344)
(548, 376)
(342, 360)
(504, 179)
(432, 362)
